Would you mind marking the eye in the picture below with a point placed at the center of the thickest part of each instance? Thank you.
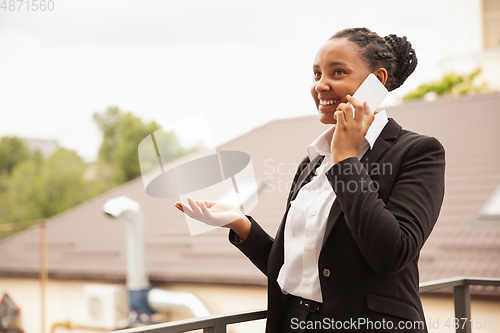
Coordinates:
(338, 72)
(317, 74)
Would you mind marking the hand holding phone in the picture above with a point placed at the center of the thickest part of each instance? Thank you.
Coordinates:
(346, 144)
(371, 91)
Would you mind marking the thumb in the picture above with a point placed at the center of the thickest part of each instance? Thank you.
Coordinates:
(369, 117)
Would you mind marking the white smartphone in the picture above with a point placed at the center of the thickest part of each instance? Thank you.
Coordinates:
(371, 91)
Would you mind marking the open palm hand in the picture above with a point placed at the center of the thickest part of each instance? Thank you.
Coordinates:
(211, 212)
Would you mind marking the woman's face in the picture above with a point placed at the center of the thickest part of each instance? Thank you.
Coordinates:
(338, 70)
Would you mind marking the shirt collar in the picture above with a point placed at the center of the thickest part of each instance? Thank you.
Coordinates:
(321, 146)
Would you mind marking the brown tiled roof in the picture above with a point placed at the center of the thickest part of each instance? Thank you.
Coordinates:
(461, 244)
(85, 244)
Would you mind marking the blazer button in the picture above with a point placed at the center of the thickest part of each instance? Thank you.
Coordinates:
(326, 272)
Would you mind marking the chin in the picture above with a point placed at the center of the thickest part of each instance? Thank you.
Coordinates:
(326, 118)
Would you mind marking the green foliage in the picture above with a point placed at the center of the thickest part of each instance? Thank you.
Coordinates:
(34, 188)
(450, 84)
(12, 152)
(13, 155)
(122, 133)
(41, 188)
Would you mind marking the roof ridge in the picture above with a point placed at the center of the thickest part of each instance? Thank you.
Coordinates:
(448, 99)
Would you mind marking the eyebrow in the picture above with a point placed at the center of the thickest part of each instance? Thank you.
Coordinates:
(337, 63)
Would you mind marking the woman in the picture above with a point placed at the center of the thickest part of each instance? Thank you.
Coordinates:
(362, 204)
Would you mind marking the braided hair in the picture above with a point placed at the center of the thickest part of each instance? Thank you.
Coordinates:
(393, 53)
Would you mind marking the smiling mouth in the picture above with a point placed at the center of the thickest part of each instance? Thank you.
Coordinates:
(327, 102)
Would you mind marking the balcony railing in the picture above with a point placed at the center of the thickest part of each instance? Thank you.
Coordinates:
(218, 324)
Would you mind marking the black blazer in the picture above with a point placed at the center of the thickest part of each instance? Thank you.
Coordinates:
(386, 206)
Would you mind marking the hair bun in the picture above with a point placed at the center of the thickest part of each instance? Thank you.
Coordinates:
(406, 58)
(393, 53)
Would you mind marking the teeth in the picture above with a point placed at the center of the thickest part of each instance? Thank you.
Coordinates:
(331, 101)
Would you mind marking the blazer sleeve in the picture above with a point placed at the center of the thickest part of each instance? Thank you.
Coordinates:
(390, 234)
(256, 246)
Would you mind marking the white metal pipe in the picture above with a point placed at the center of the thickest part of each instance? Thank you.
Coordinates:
(134, 232)
(166, 300)
(137, 278)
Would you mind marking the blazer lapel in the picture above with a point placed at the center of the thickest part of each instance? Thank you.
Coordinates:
(390, 132)
(306, 175)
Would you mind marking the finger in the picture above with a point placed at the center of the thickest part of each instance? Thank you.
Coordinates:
(358, 107)
(178, 205)
(347, 109)
(369, 116)
(368, 110)
(209, 204)
(205, 210)
(340, 116)
(194, 207)
(186, 210)
(341, 107)
(210, 218)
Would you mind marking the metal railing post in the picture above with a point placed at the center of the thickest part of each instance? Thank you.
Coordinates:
(219, 327)
(461, 297)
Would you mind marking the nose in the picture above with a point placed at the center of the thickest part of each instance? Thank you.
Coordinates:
(322, 85)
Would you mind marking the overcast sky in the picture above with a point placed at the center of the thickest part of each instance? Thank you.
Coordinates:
(242, 63)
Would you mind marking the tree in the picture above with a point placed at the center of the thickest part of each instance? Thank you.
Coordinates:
(13, 151)
(122, 133)
(450, 84)
(108, 124)
(41, 188)
(33, 188)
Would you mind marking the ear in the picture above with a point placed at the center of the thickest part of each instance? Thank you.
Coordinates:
(381, 74)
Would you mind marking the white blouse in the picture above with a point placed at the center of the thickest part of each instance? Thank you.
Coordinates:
(307, 217)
